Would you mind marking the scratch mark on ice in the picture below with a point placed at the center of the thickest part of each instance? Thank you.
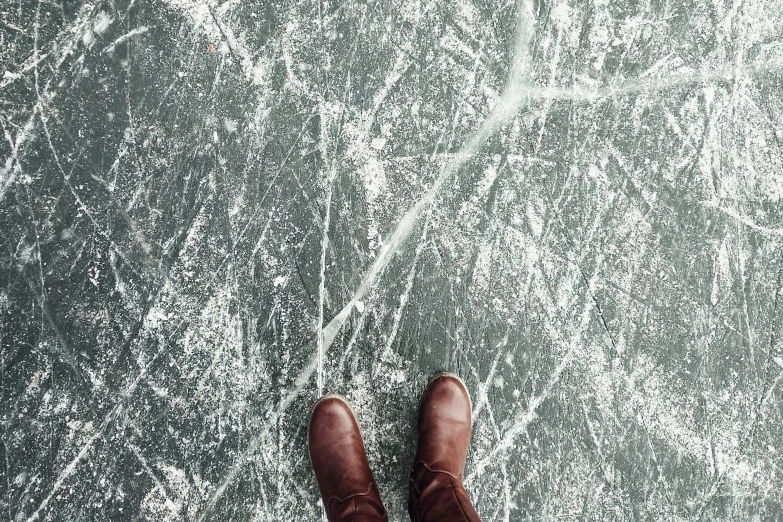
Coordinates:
(71, 467)
(201, 16)
(403, 298)
(322, 286)
(243, 459)
(743, 219)
(124, 38)
(12, 168)
(505, 109)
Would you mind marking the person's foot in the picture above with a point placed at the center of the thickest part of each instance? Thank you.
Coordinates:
(334, 442)
(444, 425)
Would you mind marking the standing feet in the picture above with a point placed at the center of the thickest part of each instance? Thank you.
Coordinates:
(436, 494)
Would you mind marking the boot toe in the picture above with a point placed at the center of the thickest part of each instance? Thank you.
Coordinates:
(330, 417)
(446, 398)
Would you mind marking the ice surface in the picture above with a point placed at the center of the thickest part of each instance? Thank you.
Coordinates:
(212, 212)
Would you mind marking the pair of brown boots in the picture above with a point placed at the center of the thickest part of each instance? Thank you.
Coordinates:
(348, 489)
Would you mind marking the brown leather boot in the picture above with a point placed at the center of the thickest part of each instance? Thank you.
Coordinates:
(334, 442)
(436, 492)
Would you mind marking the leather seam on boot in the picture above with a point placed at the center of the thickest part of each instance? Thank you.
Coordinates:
(352, 495)
(426, 466)
(414, 486)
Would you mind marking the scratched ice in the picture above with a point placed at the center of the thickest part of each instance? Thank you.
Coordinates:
(213, 212)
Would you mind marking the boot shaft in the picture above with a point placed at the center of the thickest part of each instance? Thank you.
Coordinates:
(362, 507)
(438, 496)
